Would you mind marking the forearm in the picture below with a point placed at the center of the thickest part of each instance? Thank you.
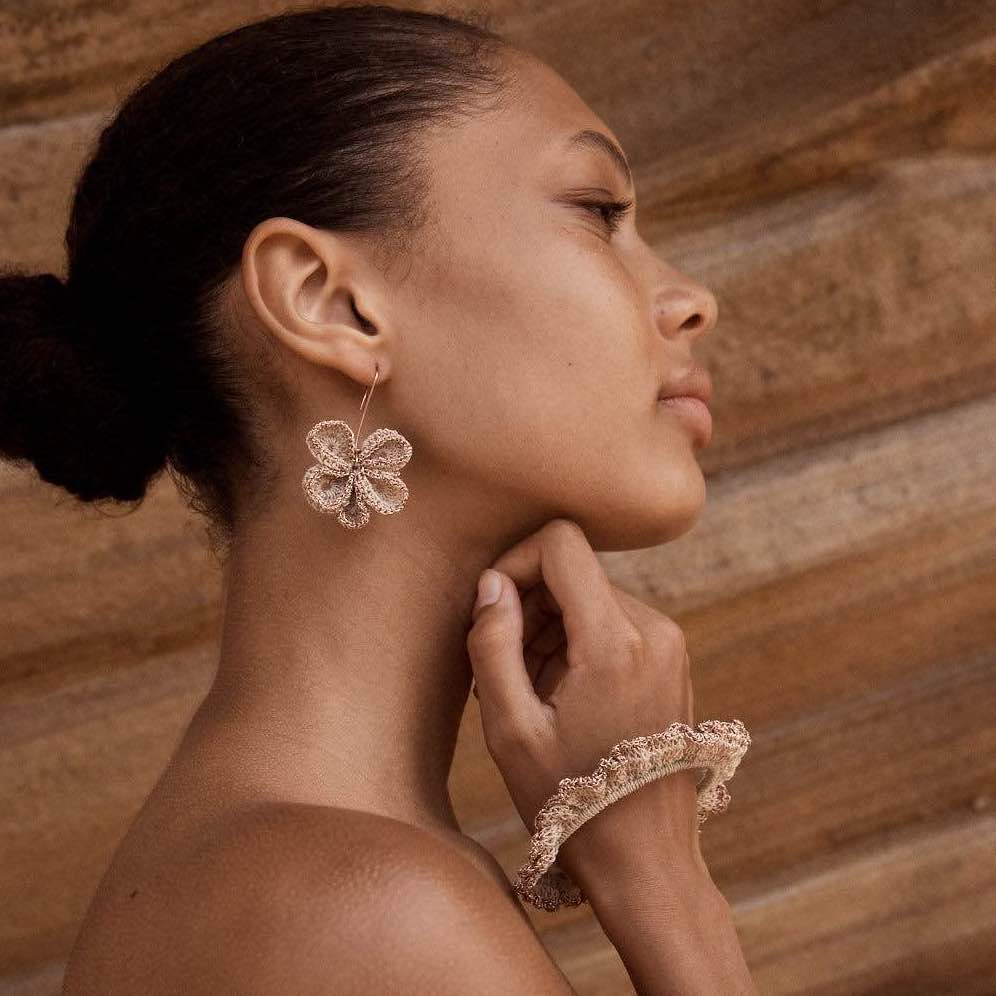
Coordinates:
(653, 895)
(675, 936)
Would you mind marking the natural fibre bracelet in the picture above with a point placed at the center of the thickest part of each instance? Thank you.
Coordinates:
(713, 745)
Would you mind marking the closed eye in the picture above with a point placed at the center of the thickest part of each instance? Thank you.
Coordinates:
(611, 212)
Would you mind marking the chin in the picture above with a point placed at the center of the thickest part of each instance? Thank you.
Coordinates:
(657, 513)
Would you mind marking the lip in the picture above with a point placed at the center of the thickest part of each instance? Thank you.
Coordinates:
(693, 411)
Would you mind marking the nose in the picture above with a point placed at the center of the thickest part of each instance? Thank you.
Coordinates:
(686, 307)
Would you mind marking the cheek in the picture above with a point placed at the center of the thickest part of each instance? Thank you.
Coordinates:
(533, 363)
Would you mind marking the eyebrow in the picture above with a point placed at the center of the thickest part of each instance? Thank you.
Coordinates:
(590, 139)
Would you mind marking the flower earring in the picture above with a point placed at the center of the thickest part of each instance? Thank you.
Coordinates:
(350, 479)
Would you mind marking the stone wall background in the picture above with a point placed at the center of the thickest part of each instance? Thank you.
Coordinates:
(827, 168)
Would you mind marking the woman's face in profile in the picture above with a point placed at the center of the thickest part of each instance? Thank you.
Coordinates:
(534, 341)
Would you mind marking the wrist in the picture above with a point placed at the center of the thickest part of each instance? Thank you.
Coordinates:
(651, 831)
(624, 879)
(656, 891)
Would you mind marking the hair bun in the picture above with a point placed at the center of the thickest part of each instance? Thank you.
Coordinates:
(63, 408)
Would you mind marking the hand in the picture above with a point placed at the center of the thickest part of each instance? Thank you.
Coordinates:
(566, 665)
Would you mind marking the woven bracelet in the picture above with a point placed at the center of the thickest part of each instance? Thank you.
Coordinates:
(715, 746)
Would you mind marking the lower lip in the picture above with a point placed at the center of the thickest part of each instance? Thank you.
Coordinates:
(693, 411)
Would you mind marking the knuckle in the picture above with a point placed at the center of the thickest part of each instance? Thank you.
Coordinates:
(627, 647)
(630, 641)
(618, 645)
(669, 635)
(474, 639)
(483, 639)
(565, 531)
(506, 738)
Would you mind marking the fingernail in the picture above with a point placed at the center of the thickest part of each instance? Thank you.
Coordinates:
(488, 587)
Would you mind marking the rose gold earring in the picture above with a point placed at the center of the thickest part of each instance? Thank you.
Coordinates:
(348, 479)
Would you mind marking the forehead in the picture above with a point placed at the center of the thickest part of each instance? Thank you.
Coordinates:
(546, 112)
(530, 135)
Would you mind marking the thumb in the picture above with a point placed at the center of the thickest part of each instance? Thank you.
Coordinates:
(494, 645)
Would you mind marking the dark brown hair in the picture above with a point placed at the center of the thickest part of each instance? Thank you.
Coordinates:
(121, 371)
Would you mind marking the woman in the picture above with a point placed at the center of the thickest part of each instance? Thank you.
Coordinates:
(292, 214)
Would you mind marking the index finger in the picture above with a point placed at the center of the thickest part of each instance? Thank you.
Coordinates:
(560, 555)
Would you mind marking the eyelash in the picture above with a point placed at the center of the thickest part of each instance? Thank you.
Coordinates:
(615, 210)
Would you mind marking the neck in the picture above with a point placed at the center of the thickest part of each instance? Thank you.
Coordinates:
(343, 674)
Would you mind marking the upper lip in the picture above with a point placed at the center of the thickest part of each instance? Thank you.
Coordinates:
(693, 382)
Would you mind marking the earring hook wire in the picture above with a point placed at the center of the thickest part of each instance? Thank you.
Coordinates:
(366, 400)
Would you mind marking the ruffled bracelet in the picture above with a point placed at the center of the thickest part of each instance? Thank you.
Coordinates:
(713, 745)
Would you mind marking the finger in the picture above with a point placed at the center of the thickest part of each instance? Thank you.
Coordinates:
(550, 674)
(546, 643)
(534, 663)
(534, 612)
(641, 613)
(548, 639)
(544, 600)
(560, 556)
(494, 646)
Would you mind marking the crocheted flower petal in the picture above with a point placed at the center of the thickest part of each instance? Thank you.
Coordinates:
(354, 514)
(385, 449)
(332, 444)
(325, 491)
(382, 490)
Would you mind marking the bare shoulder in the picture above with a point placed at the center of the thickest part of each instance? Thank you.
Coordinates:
(303, 899)
(381, 906)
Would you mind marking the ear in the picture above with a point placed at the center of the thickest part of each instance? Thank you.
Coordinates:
(316, 293)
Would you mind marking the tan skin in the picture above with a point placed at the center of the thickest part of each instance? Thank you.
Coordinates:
(520, 350)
